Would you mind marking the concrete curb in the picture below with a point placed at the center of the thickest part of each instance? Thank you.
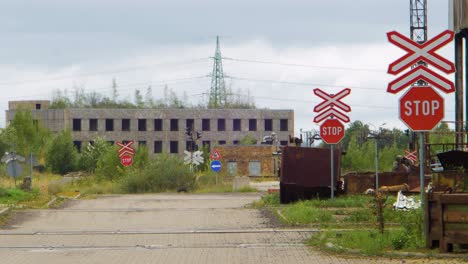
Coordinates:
(51, 202)
(4, 210)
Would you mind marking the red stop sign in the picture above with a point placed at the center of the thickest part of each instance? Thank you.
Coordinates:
(126, 160)
(421, 108)
(332, 131)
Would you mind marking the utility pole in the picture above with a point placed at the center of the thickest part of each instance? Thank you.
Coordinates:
(218, 95)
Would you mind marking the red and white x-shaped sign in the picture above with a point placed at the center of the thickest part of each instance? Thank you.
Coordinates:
(411, 155)
(421, 52)
(420, 73)
(332, 100)
(125, 149)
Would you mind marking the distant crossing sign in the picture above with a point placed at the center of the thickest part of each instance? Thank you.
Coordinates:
(411, 155)
(215, 155)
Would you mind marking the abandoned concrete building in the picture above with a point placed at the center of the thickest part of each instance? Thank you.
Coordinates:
(161, 130)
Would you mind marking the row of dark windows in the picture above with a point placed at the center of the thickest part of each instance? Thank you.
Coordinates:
(174, 124)
(173, 145)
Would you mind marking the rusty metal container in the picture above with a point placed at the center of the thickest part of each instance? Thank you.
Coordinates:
(305, 173)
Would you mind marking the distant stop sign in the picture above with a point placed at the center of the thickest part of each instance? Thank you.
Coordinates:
(421, 108)
(332, 131)
(126, 160)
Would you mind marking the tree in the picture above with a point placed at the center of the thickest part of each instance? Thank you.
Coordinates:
(149, 101)
(139, 99)
(25, 134)
(115, 94)
(61, 155)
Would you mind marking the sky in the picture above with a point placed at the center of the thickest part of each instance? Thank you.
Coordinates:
(278, 51)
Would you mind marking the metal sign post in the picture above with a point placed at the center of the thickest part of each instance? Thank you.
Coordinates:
(332, 176)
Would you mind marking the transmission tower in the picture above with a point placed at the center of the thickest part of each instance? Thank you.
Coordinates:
(418, 20)
(218, 88)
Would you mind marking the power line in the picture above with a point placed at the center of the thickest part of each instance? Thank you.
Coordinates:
(64, 77)
(305, 65)
(306, 84)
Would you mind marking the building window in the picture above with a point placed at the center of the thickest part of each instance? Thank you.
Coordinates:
(38, 106)
(158, 125)
(232, 168)
(268, 125)
(252, 124)
(76, 124)
(174, 125)
(221, 124)
(254, 168)
(235, 142)
(141, 124)
(284, 125)
(109, 124)
(158, 147)
(205, 124)
(206, 144)
(125, 142)
(77, 145)
(222, 142)
(174, 147)
(236, 125)
(93, 124)
(111, 142)
(142, 143)
(190, 124)
(91, 143)
(283, 142)
(126, 124)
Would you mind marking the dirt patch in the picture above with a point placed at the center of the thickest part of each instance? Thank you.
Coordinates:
(271, 219)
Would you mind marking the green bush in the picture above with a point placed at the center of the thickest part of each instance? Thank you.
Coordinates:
(160, 174)
(61, 155)
(91, 153)
(108, 166)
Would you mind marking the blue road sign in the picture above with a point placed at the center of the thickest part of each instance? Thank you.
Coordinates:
(216, 165)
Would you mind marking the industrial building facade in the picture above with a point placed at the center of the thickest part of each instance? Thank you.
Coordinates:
(161, 130)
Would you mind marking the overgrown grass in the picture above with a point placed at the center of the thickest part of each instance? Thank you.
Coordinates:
(37, 198)
(300, 213)
(354, 212)
(14, 195)
(367, 242)
(357, 201)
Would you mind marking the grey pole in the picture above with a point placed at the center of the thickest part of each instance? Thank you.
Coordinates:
(421, 175)
(332, 169)
(376, 165)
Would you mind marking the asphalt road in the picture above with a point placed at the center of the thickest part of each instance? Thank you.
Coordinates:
(160, 228)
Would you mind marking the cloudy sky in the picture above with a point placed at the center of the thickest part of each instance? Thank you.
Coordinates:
(54, 44)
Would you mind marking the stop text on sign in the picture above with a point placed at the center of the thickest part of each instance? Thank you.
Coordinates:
(424, 108)
(331, 131)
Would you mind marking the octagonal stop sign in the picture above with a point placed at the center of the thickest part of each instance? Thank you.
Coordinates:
(332, 131)
(421, 108)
